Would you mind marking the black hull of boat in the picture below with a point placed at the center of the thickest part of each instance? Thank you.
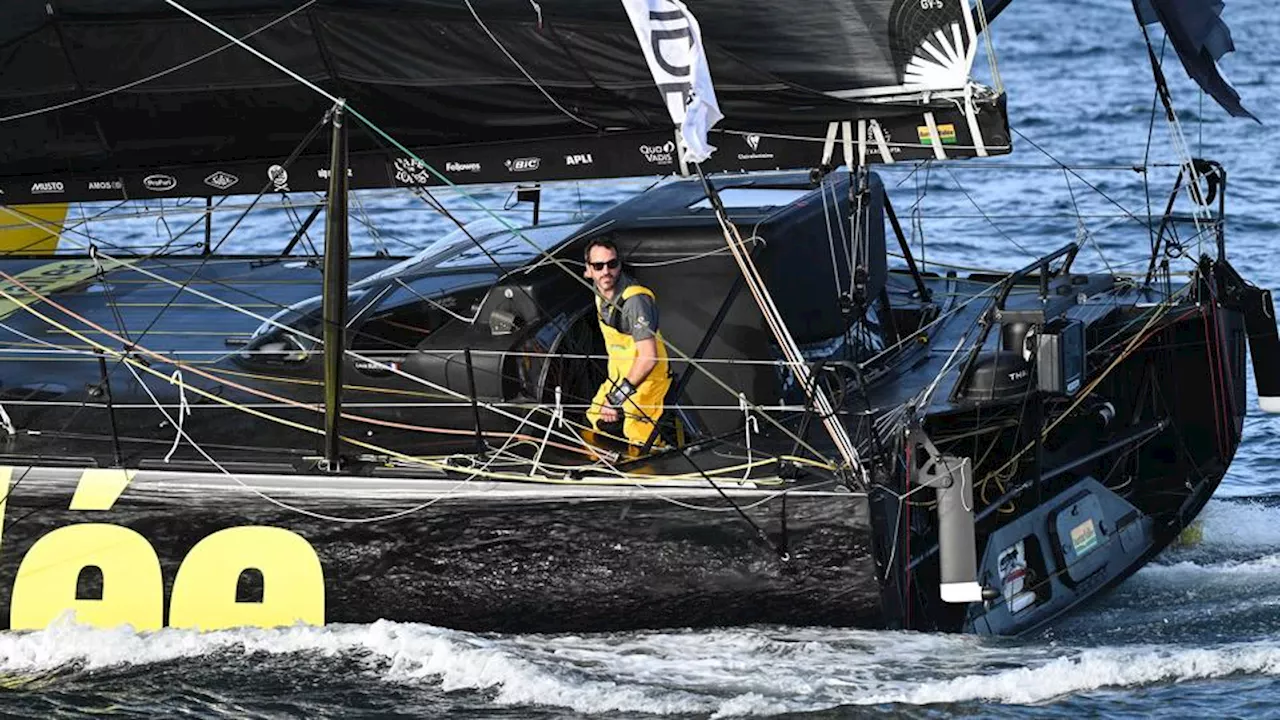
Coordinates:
(1176, 409)
(485, 559)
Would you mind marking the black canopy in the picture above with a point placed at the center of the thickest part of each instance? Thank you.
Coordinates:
(133, 97)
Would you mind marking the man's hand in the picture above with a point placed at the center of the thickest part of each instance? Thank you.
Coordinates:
(608, 414)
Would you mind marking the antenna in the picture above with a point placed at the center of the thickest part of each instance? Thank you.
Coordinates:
(335, 290)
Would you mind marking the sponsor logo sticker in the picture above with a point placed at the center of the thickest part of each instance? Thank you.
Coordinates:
(663, 154)
(159, 182)
(753, 142)
(279, 178)
(49, 187)
(525, 164)
(221, 180)
(472, 167)
(579, 159)
(1083, 537)
(412, 172)
(105, 185)
(323, 173)
(947, 131)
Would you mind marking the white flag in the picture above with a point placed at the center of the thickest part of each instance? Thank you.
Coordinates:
(672, 43)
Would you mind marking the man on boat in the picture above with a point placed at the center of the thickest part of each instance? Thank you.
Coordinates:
(638, 379)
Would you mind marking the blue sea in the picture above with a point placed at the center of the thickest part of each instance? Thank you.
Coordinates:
(1195, 634)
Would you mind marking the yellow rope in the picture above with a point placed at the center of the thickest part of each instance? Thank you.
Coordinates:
(441, 466)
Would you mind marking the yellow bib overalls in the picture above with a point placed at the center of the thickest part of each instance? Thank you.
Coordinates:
(644, 407)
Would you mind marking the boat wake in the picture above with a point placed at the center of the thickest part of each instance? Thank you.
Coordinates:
(752, 671)
(1235, 528)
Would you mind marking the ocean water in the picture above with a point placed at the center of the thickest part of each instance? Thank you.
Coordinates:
(1196, 633)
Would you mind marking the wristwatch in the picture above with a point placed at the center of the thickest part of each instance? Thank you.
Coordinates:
(619, 394)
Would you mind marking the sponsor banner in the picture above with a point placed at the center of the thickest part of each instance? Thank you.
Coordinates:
(611, 155)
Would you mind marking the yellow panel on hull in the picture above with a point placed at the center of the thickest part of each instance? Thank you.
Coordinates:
(31, 229)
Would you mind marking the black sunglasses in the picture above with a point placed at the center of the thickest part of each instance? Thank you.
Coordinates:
(598, 266)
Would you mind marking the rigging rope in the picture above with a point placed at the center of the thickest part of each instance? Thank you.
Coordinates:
(1083, 236)
(6, 422)
(839, 434)
(184, 410)
(162, 73)
(409, 153)
(442, 467)
(520, 67)
(749, 425)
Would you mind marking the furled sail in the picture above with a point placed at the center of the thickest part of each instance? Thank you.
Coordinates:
(103, 99)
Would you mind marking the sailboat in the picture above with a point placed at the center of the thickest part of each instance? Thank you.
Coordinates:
(199, 439)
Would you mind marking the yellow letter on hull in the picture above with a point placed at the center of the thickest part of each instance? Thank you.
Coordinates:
(45, 587)
(204, 594)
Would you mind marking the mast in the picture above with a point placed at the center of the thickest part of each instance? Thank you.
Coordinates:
(335, 290)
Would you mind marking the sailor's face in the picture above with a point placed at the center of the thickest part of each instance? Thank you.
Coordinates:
(603, 268)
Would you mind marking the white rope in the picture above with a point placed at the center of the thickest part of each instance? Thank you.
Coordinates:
(831, 240)
(184, 410)
(261, 56)
(854, 243)
(557, 418)
(390, 405)
(682, 258)
(57, 349)
(6, 422)
(435, 304)
(298, 333)
(132, 363)
(154, 76)
(524, 72)
(749, 425)
(379, 245)
(279, 503)
(924, 399)
(839, 434)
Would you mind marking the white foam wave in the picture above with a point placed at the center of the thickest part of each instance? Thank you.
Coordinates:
(395, 652)
(752, 671)
(1239, 525)
(1187, 570)
(1092, 670)
(65, 644)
